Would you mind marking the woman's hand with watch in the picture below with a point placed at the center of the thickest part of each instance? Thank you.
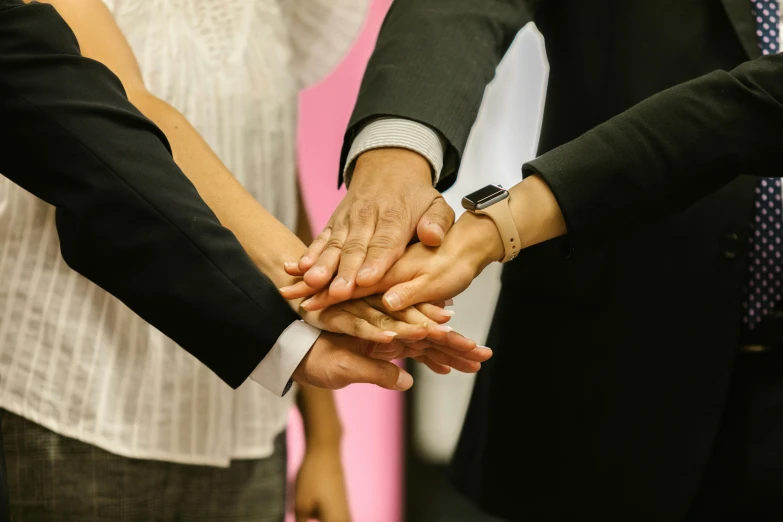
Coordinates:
(425, 274)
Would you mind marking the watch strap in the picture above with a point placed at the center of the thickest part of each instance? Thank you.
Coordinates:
(500, 213)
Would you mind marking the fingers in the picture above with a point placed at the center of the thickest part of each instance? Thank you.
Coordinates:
(292, 268)
(324, 299)
(359, 369)
(432, 365)
(354, 250)
(405, 329)
(388, 243)
(408, 294)
(350, 319)
(309, 258)
(457, 342)
(452, 361)
(477, 354)
(298, 290)
(435, 223)
(435, 312)
(319, 275)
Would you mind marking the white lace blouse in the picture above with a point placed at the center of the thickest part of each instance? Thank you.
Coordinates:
(72, 357)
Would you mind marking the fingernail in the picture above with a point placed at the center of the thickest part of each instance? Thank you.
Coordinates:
(444, 328)
(285, 288)
(449, 302)
(390, 333)
(436, 228)
(340, 282)
(365, 272)
(404, 381)
(449, 313)
(392, 301)
(306, 303)
(290, 264)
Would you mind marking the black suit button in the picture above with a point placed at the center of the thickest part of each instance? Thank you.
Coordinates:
(732, 236)
(729, 254)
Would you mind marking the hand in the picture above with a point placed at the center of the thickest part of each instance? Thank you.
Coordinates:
(425, 274)
(369, 319)
(335, 361)
(438, 358)
(320, 492)
(390, 200)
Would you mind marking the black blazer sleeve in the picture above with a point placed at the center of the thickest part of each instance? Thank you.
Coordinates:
(431, 64)
(128, 219)
(668, 151)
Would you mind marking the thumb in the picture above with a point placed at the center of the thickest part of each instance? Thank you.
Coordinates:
(435, 223)
(408, 294)
(380, 373)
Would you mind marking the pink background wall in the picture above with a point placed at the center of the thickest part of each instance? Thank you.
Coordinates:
(372, 418)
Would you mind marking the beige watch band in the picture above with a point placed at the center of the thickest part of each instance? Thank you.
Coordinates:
(500, 213)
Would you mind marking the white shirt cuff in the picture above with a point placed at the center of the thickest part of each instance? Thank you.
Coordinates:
(275, 370)
(400, 133)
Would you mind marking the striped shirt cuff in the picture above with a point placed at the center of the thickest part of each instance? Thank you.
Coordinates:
(399, 133)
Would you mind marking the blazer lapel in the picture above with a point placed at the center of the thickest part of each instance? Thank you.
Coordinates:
(744, 25)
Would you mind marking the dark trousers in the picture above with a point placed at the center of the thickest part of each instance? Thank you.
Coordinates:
(743, 481)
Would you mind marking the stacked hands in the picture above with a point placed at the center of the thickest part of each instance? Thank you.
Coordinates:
(366, 275)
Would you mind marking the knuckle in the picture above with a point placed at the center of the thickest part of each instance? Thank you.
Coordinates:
(354, 246)
(358, 324)
(364, 212)
(384, 242)
(335, 243)
(395, 215)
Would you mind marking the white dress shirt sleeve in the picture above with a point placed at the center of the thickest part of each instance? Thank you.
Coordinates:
(400, 133)
(275, 370)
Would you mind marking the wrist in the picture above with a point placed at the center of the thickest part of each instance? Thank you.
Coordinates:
(475, 240)
(392, 165)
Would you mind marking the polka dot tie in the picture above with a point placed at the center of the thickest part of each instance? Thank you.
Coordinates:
(764, 289)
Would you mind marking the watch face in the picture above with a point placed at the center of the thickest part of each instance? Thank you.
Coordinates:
(484, 197)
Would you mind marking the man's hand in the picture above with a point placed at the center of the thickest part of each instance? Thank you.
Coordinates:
(335, 361)
(424, 274)
(391, 200)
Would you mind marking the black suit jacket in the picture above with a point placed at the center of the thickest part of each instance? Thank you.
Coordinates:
(128, 219)
(615, 361)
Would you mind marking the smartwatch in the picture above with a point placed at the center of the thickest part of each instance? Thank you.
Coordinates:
(492, 201)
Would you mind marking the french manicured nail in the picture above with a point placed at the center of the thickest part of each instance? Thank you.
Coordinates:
(306, 303)
(404, 381)
(390, 333)
(449, 313)
(392, 301)
(290, 264)
(366, 272)
(444, 328)
(285, 288)
(305, 259)
(449, 302)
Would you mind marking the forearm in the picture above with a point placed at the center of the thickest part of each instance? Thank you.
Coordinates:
(267, 241)
(432, 62)
(321, 420)
(127, 218)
